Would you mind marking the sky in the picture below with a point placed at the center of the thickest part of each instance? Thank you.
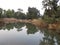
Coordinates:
(22, 4)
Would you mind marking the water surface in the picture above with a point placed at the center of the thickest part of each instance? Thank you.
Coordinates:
(27, 34)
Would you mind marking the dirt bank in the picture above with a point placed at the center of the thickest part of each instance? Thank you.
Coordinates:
(37, 22)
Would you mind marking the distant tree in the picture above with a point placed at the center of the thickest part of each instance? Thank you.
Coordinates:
(19, 14)
(10, 13)
(1, 10)
(13, 13)
(33, 13)
(4, 14)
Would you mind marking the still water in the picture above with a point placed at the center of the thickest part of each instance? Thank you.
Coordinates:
(27, 34)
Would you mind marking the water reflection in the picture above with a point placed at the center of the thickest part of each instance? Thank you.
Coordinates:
(12, 25)
(31, 29)
(17, 34)
(27, 34)
(51, 37)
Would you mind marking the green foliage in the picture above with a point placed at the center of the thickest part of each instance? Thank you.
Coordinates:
(51, 7)
(1, 12)
(20, 15)
(52, 11)
(9, 13)
(50, 4)
(49, 20)
(33, 13)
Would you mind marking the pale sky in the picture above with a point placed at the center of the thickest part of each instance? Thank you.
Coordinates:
(23, 4)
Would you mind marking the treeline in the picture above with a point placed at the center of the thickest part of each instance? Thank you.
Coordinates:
(52, 11)
(32, 13)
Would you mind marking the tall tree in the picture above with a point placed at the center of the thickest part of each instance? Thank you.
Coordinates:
(50, 4)
(50, 7)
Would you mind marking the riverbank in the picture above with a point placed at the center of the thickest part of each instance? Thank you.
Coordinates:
(37, 22)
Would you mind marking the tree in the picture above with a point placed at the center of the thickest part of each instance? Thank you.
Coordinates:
(4, 14)
(19, 14)
(1, 10)
(10, 13)
(50, 7)
(33, 13)
(51, 10)
(50, 4)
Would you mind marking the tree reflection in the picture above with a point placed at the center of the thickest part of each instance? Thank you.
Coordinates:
(31, 29)
(11, 26)
(51, 37)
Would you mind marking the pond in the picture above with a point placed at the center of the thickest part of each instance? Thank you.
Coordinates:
(27, 34)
